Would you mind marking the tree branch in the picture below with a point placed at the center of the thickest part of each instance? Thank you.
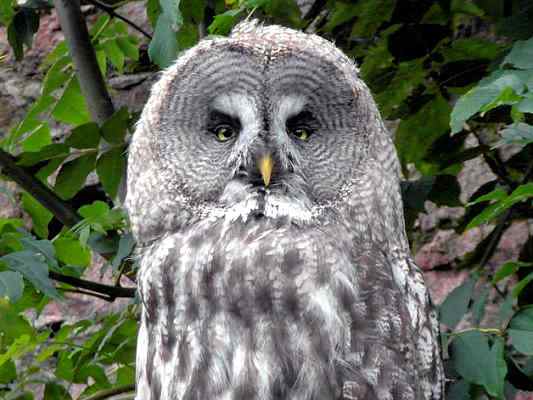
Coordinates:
(111, 11)
(61, 209)
(84, 58)
(112, 292)
(106, 393)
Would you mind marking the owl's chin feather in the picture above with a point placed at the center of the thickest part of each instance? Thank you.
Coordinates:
(243, 201)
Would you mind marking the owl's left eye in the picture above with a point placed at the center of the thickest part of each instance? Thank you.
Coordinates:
(301, 133)
(224, 133)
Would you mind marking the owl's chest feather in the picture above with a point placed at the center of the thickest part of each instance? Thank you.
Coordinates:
(253, 307)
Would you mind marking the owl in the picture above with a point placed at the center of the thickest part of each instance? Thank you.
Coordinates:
(263, 192)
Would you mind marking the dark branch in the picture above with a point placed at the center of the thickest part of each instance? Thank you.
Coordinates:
(111, 11)
(61, 209)
(112, 292)
(84, 58)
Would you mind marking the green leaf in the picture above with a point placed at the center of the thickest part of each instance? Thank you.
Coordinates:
(125, 376)
(377, 58)
(65, 367)
(522, 341)
(8, 371)
(101, 59)
(342, 13)
(153, 9)
(86, 136)
(496, 194)
(92, 371)
(54, 391)
(368, 19)
(31, 120)
(128, 48)
(20, 346)
(71, 107)
(416, 133)
(521, 331)
(12, 325)
(518, 133)
(521, 55)
(509, 268)
(478, 307)
(222, 23)
(465, 7)
(11, 285)
(21, 29)
(7, 10)
(34, 268)
(52, 151)
(56, 76)
(522, 284)
(471, 49)
(110, 168)
(171, 8)
(163, 48)
(506, 309)
(496, 370)
(70, 251)
(115, 128)
(408, 76)
(39, 138)
(43, 248)
(94, 211)
(125, 247)
(521, 193)
(526, 105)
(73, 174)
(40, 216)
(187, 36)
(506, 97)
(470, 351)
(455, 306)
(114, 54)
(485, 92)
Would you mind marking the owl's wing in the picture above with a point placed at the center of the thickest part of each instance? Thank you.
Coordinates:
(393, 345)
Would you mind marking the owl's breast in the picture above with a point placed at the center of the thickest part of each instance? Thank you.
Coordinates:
(259, 306)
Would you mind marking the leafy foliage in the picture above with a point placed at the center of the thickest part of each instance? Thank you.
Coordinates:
(446, 70)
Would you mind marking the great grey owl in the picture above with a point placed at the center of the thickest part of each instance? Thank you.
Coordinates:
(263, 192)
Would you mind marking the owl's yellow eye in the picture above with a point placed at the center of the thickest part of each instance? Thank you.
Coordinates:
(224, 133)
(301, 133)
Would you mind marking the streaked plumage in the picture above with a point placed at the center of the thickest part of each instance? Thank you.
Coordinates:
(304, 289)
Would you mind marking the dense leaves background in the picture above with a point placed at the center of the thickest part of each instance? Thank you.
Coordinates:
(443, 70)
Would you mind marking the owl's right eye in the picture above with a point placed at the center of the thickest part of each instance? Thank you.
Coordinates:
(224, 133)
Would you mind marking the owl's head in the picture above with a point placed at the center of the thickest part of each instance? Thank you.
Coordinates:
(270, 122)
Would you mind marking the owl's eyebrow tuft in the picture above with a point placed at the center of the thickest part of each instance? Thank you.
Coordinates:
(305, 117)
(217, 118)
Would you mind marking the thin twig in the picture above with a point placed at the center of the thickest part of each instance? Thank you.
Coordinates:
(106, 393)
(112, 292)
(111, 11)
(85, 292)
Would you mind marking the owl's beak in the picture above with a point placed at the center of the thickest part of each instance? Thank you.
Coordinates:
(265, 165)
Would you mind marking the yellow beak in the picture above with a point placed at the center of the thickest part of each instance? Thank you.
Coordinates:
(265, 167)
